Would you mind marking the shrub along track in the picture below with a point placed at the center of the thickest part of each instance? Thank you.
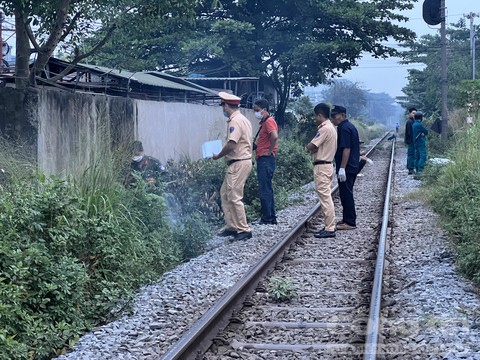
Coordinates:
(328, 317)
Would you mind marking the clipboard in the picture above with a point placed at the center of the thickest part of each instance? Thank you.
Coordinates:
(211, 147)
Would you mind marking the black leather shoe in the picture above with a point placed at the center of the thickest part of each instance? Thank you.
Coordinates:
(267, 222)
(227, 232)
(244, 235)
(324, 234)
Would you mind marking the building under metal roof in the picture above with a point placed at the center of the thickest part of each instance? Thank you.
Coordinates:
(149, 85)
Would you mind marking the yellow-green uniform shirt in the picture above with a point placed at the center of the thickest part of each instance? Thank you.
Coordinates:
(239, 130)
(326, 142)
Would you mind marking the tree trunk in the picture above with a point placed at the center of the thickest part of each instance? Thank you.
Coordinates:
(47, 49)
(23, 52)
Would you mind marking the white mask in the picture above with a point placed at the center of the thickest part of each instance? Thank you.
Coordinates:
(137, 158)
(258, 114)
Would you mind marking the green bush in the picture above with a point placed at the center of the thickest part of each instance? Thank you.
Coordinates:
(195, 187)
(69, 255)
(367, 132)
(455, 196)
(41, 283)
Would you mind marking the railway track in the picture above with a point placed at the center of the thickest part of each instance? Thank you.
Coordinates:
(337, 303)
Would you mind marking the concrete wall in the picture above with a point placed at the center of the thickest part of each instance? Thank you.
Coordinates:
(68, 128)
(17, 118)
(75, 126)
(177, 130)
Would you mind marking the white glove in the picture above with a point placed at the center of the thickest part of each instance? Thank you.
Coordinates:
(342, 177)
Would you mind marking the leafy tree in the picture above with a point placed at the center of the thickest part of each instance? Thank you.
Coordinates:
(43, 26)
(345, 92)
(302, 107)
(424, 86)
(294, 43)
(146, 40)
(382, 108)
(467, 96)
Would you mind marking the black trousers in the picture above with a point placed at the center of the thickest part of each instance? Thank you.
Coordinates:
(345, 190)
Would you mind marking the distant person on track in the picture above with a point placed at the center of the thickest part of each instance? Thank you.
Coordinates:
(419, 139)
(323, 147)
(265, 149)
(238, 156)
(347, 159)
(409, 141)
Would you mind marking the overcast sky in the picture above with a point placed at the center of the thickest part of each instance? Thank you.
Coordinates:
(389, 76)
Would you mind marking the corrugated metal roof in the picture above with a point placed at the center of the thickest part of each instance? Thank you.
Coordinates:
(201, 78)
(146, 78)
(181, 80)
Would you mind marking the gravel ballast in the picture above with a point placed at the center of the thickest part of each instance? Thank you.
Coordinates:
(431, 308)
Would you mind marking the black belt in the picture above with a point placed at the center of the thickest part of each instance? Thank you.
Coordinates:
(321, 162)
(230, 162)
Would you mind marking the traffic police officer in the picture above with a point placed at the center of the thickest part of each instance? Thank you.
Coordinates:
(238, 156)
(323, 147)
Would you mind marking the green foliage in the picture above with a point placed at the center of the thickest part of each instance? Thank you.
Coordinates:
(193, 235)
(424, 86)
(151, 42)
(291, 42)
(42, 284)
(455, 196)
(467, 97)
(67, 24)
(196, 188)
(294, 165)
(74, 249)
(302, 107)
(347, 92)
(281, 289)
(368, 132)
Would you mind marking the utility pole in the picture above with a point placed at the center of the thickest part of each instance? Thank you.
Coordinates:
(434, 14)
(471, 16)
(443, 65)
(2, 17)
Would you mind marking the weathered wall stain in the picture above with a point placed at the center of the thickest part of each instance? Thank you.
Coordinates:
(68, 128)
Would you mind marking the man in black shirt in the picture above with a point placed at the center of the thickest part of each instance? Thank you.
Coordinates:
(409, 140)
(347, 162)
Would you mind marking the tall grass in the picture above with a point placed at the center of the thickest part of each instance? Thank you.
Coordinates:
(78, 246)
(455, 195)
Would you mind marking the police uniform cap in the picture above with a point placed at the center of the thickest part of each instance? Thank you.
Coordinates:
(229, 98)
(337, 109)
(418, 115)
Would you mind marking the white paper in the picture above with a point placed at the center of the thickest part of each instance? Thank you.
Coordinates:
(211, 147)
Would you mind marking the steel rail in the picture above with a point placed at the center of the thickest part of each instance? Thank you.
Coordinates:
(193, 342)
(219, 314)
(373, 325)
